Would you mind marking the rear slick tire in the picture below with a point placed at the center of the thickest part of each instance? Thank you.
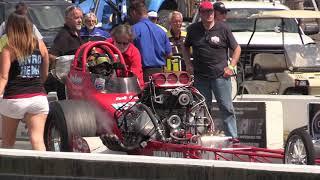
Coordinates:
(299, 148)
(66, 119)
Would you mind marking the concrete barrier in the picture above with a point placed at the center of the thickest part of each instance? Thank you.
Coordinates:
(259, 123)
(28, 164)
(295, 108)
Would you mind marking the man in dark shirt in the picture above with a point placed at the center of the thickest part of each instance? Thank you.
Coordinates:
(210, 42)
(66, 42)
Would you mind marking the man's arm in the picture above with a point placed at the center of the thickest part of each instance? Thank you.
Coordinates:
(186, 50)
(230, 69)
(186, 54)
(55, 50)
(52, 61)
(235, 56)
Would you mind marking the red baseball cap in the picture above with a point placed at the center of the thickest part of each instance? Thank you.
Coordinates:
(206, 5)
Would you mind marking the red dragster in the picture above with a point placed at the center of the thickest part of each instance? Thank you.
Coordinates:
(169, 117)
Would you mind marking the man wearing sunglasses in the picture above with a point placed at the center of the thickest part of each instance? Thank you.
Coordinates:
(210, 41)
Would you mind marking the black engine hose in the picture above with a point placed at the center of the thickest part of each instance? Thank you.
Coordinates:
(178, 138)
(116, 145)
(132, 147)
(153, 119)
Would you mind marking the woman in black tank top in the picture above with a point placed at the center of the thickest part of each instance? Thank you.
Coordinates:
(23, 70)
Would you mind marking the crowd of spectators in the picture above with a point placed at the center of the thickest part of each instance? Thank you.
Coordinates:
(144, 44)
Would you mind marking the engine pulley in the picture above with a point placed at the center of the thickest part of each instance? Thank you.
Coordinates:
(174, 121)
(184, 99)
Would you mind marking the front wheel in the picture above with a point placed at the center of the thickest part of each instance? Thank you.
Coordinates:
(299, 148)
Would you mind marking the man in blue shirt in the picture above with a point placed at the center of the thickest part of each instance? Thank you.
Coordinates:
(150, 39)
(90, 32)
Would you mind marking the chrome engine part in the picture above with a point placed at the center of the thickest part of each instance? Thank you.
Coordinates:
(136, 125)
(215, 141)
(184, 99)
(174, 121)
(176, 115)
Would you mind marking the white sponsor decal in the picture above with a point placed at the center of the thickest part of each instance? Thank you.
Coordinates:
(168, 154)
(123, 98)
(126, 105)
(215, 39)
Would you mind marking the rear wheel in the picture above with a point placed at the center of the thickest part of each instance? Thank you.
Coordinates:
(65, 120)
(299, 148)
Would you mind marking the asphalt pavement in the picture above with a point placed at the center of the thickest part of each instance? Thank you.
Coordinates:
(22, 144)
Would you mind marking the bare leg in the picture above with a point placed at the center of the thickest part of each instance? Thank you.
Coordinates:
(9, 130)
(36, 123)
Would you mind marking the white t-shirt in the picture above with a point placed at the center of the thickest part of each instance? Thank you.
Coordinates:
(35, 30)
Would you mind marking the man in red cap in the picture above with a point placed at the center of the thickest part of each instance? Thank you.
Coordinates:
(210, 42)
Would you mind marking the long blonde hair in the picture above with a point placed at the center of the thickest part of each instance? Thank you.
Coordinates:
(21, 41)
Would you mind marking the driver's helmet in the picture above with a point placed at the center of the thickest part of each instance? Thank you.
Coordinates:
(97, 58)
(101, 59)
